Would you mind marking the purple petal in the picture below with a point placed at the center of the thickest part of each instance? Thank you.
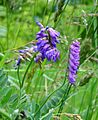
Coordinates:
(39, 24)
(53, 33)
(18, 61)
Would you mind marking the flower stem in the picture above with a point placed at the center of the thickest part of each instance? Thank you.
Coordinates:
(27, 71)
(19, 76)
(64, 98)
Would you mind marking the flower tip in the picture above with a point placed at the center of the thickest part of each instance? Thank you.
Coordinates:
(39, 24)
(18, 61)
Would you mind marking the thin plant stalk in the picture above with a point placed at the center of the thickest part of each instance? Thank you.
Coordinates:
(82, 100)
(50, 12)
(7, 16)
(27, 71)
(45, 11)
(61, 14)
(19, 76)
(89, 57)
(96, 116)
(94, 106)
(90, 100)
(38, 82)
(64, 98)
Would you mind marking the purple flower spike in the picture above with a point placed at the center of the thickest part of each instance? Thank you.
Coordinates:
(46, 44)
(74, 58)
(45, 47)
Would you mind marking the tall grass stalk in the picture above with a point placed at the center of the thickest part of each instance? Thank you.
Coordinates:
(96, 32)
(7, 17)
(96, 116)
(56, 23)
(82, 100)
(90, 101)
(38, 81)
(16, 36)
(50, 13)
(94, 107)
(19, 76)
(46, 6)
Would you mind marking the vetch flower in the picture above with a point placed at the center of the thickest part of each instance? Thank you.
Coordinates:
(26, 54)
(47, 38)
(47, 51)
(74, 58)
(46, 44)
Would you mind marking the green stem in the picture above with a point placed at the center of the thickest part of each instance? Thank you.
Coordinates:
(7, 16)
(94, 106)
(61, 13)
(50, 12)
(82, 101)
(64, 98)
(27, 71)
(90, 101)
(96, 116)
(89, 57)
(19, 76)
(44, 11)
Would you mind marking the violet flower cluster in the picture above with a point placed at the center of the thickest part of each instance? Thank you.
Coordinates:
(26, 54)
(74, 58)
(47, 38)
(45, 47)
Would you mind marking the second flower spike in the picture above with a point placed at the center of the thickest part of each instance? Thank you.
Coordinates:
(74, 57)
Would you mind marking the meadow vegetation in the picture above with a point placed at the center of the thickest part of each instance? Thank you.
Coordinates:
(41, 90)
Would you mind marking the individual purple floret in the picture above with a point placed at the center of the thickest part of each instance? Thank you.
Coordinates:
(53, 33)
(39, 24)
(43, 46)
(41, 34)
(46, 44)
(53, 54)
(38, 58)
(53, 36)
(74, 58)
(18, 61)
